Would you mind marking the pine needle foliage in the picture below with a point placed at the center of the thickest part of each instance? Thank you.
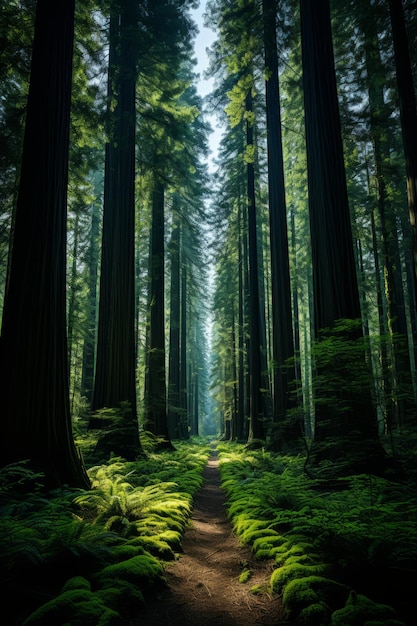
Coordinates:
(328, 539)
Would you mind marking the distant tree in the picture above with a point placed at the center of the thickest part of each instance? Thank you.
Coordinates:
(16, 37)
(156, 418)
(89, 345)
(396, 365)
(36, 421)
(408, 112)
(174, 327)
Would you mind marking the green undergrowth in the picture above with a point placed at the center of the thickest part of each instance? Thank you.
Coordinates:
(91, 558)
(345, 550)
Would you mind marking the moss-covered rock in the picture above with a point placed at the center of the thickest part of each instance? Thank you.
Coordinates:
(302, 592)
(315, 614)
(283, 575)
(157, 547)
(77, 607)
(267, 544)
(143, 570)
(77, 582)
(122, 596)
(360, 610)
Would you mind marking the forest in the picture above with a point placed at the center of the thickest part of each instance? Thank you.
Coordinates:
(168, 306)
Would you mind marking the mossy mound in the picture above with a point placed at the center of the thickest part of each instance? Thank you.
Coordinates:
(315, 614)
(283, 575)
(75, 607)
(122, 596)
(361, 611)
(143, 570)
(300, 593)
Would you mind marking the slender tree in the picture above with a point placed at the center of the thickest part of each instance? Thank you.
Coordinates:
(89, 346)
(174, 329)
(408, 112)
(156, 420)
(256, 428)
(34, 365)
(282, 331)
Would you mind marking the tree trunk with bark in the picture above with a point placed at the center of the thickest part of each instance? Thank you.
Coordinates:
(36, 421)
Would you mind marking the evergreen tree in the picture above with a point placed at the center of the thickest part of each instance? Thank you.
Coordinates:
(282, 331)
(408, 111)
(336, 295)
(35, 389)
(115, 365)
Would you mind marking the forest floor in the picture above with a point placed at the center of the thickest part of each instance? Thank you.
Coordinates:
(203, 584)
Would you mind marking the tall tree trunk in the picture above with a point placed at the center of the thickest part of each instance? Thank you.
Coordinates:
(36, 421)
(89, 348)
(399, 366)
(195, 429)
(256, 427)
(246, 322)
(240, 415)
(156, 419)
(408, 113)
(72, 289)
(184, 421)
(336, 294)
(282, 332)
(174, 335)
(115, 380)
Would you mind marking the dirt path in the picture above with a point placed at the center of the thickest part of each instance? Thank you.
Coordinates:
(204, 587)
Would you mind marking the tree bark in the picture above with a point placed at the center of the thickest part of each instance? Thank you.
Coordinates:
(408, 113)
(34, 359)
(336, 294)
(282, 331)
(174, 336)
(256, 427)
(115, 380)
(156, 419)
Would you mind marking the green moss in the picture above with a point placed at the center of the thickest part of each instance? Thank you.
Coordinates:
(170, 537)
(77, 582)
(126, 551)
(157, 547)
(269, 536)
(245, 575)
(306, 559)
(296, 550)
(255, 530)
(122, 596)
(359, 610)
(77, 607)
(298, 595)
(283, 575)
(315, 614)
(143, 569)
(301, 592)
(260, 589)
(267, 545)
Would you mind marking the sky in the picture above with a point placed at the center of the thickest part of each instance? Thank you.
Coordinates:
(203, 40)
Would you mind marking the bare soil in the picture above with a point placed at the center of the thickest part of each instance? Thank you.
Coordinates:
(203, 584)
